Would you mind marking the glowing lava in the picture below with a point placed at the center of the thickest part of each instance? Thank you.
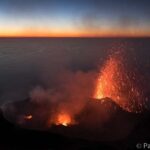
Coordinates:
(28, 117)
(115, 82)
(106, 84)
(63, 119)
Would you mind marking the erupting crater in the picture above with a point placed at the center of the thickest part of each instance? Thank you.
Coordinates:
(118, 83)
(115, 101)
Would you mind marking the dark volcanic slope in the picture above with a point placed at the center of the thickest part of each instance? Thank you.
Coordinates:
(15, 138)
(100, 120)
(101, 125)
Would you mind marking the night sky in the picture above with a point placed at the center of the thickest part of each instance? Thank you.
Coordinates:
(74, 18)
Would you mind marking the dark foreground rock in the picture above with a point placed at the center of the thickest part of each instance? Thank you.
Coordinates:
(122, 131)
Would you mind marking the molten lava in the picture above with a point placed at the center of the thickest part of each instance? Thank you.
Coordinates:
(28, 117)
(63, 119)
(115, 82)
(106, 84)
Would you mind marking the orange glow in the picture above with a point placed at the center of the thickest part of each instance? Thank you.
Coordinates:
(116, 83)
(106, 81)
(71, 32)
(63, 119)
(28, 117)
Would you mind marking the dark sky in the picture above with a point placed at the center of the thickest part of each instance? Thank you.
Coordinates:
(75, 18)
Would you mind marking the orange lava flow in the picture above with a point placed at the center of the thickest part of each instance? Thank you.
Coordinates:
(116, 83)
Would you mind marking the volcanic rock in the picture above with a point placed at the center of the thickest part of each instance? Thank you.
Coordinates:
(101, 120)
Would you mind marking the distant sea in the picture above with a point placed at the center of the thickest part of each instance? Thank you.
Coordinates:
(29, 62)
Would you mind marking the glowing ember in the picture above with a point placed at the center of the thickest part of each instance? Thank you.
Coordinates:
(28, 117)
(63, 119)
(116, 83)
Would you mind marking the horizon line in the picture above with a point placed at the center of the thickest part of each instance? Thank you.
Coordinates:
(75, 36)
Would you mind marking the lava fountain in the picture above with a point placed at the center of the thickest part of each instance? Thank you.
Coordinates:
(118, 83)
